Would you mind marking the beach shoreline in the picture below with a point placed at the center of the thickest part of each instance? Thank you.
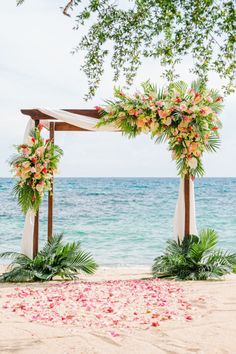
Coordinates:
(212, 329)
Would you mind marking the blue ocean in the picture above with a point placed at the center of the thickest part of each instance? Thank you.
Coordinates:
(122, 221)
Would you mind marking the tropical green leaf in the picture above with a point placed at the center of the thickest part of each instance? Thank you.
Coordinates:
(55, 259)
(196, 258)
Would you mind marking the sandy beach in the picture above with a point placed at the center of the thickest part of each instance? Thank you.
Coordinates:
(211, 330)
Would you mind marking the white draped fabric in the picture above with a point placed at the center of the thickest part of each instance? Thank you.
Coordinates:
(78, 120)
(179, 218)
(89, 123)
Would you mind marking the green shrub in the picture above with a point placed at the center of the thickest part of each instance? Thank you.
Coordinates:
(55, 259)
(196, 258)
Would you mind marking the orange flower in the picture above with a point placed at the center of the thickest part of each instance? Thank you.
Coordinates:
(140, 123)
(131, 112)
(197, 97)
(163, 114)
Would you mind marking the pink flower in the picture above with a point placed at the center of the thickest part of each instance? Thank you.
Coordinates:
(114, 334)
(25, 151)
(205, 111)
(155, 324)
(40, 186)
(40, 126)
(186, 118)
(44, 170)
(183, 107)
(40, 151)
(109, 310)
(177, 99)
(197, 97)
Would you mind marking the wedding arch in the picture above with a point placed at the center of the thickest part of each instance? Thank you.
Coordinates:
(85, 120)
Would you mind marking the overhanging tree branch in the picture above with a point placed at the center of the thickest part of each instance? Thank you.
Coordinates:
(166, 30)
(67, 7)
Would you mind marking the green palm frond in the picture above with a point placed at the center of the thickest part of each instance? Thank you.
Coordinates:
(180, 87)
(17, 274)
(161, 138)
(149, 88)
(55, 259)
(213, 143)
(207, 242)
(52, 245)
(197, 85)
(196, 258)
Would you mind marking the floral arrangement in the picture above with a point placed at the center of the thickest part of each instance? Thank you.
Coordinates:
(185, 117)
(34, 166)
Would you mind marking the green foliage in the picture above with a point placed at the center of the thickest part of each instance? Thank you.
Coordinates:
(196, 258)
(165, 29)
(55, 259)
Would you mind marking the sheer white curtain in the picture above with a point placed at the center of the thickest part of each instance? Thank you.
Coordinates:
(78, 120)
(179, 218)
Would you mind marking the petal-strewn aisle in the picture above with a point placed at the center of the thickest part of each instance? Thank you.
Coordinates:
(110, 306)
(117, 312)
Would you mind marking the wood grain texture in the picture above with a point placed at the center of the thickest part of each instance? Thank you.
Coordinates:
(187, 205)
(50, 193)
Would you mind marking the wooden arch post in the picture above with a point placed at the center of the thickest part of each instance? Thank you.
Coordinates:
(187, 205)
(50, 193)
(36, 223)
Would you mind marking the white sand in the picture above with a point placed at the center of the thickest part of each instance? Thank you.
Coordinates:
(213, 329)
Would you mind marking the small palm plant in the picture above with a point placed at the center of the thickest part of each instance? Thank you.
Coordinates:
(55, 259)
(196, 258)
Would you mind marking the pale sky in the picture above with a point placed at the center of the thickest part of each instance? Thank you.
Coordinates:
(37, 70)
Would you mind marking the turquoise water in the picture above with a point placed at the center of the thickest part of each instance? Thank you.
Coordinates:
(122, 220)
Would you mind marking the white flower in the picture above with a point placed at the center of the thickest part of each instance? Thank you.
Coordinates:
(193, 163)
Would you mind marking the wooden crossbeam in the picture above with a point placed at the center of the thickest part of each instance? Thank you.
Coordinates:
(61, 126)
(35, 114)
(45, 119)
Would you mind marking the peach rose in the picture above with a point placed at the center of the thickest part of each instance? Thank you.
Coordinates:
(40, 151)
(163, 114)
(205, 111)
(140, 123)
